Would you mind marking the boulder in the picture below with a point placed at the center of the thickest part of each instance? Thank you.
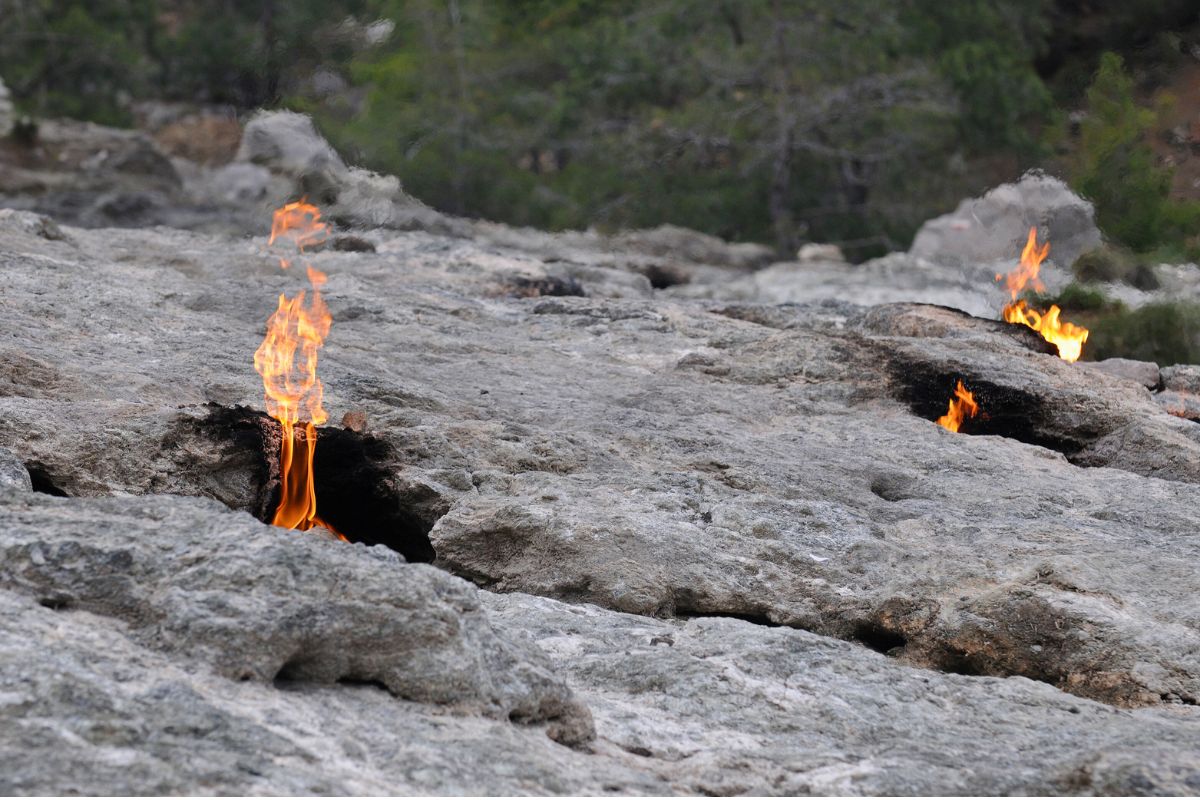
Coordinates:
(1144, 373)
(995, 226)
(288, 145)
(287, 142)
(694, 247)
(820, 252)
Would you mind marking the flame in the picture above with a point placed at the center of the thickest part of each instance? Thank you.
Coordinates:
(301, 223)
(1069, 338)
(287, 362)
(962, 407)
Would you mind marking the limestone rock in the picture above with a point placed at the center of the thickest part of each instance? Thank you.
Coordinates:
(1144, 373)
(209, 586)
(728, 521)
(723, 706)
(653, 456)
(820, 252)
(693, 247)
(994, 227)
(287, 142)
(88, 710)
(1182, 378)
(13, 474)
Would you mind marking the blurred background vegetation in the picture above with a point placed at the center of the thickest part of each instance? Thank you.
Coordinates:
(780, 121)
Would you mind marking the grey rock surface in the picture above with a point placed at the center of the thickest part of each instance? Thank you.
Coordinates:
(253, 602)
(96, 698)
(287, 142)
(992, 227)
(695, 512)
(13, 474)
(723, 706)
(895, 278)
(1144, 373)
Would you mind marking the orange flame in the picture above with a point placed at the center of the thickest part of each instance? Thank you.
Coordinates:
(962, 407)
(287, 362)
(301, 223)
(1067, 337)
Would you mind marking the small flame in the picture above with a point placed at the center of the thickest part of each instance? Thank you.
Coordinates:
(1069, 338)
(287, 362)
(962, 407)
(301, 223)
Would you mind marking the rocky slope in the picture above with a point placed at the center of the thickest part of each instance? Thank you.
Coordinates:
(683, 540)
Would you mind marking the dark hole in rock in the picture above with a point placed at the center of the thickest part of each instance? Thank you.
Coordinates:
(371, 682)
(1003, 411)
(637, 750)
(357, 490)
(42, 482)
(878, 638)
(753, 619)
(356, 495)
(895, 488)
(348, 243)
(549, 286)
(292, 672)
(662, 276)
(55, 602)
(962, 664)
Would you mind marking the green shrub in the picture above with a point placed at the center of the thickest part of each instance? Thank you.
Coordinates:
(1076, 297)
(1117, 170)
(1166, 333)
(1113, 265)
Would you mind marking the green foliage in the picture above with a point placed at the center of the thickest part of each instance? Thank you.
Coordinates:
(849, 121)
(1117, 170)
(76, 58)
(1076, 297)
(985, 50)
(88, 58)
(773, 121)
(1111, 265)
(1166, 333)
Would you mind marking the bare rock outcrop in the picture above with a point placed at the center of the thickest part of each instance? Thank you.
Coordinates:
(252, 602)
(988, 228)
(732, 528)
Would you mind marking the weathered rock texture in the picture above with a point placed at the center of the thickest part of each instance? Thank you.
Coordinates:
(719, 543)
(647, 455)
(986, 228)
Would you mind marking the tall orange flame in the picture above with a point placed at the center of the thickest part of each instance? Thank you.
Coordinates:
(287, 362)
(962, 407)
(1069, 338)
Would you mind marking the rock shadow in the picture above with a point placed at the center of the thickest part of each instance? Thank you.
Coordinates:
(358, 492)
